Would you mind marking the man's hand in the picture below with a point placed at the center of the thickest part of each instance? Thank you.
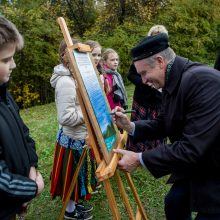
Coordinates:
(122, 120)
(129, 161)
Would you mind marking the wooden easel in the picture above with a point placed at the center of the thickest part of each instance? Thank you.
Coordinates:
(105, 169)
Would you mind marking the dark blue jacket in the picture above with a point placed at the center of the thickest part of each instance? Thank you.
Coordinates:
(191, 120)
(17, 155)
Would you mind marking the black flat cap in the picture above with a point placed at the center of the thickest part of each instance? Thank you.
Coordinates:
(149, 46)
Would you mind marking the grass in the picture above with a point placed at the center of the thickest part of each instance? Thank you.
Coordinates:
(42, 121)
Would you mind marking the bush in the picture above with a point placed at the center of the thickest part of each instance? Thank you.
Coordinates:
(36, 61)
(24, 94)
(193, 28)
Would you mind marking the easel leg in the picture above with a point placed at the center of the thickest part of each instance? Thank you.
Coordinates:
(140, 207)
(73, 183)
(138, 214)
(111, 199)
(124, 196)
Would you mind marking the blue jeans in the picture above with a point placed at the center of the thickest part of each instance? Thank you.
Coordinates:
(177, 202)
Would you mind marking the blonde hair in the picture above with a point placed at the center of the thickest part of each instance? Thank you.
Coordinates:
(106, 53)
(10, 34)
(93, 44)
(157, 29)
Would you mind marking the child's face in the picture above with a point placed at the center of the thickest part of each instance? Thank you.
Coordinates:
(96, 54)
(112, 61)
(7, 63)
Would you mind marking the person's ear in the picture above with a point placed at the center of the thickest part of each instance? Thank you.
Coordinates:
(161, 62)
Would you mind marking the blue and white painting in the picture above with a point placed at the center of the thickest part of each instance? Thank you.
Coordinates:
(96, 97)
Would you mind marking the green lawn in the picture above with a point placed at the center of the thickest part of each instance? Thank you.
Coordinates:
(43, 127)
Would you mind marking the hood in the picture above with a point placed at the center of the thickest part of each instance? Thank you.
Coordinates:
(58, 72)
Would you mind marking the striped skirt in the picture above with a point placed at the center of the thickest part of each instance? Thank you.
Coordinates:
(66, 157)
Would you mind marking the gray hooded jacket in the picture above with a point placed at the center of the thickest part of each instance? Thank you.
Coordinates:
(68, 109)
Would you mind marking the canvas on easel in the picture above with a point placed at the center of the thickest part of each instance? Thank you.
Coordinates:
(96, 104)
(98, 110)
(103, 134)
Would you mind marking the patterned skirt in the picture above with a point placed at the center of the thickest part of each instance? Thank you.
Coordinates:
(143, 113)
(66, 157)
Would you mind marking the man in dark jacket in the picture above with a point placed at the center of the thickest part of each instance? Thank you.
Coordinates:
(19, 179)
(190, 118)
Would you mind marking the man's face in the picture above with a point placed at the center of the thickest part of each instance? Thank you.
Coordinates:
(154, 75)
(7, 63)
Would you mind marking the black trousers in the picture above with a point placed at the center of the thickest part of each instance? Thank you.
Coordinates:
(203, 216)
(177, 204)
